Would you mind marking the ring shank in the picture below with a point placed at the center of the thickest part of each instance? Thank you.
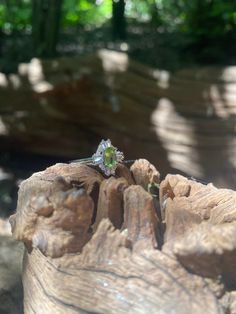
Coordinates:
(85, 161)
(128, 161)
(90, 161)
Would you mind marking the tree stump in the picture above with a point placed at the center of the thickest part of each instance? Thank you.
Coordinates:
(118, 245)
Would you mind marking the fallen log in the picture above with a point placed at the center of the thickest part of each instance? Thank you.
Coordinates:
(74, 102)
(99, 245)
(183, 121)
(195, 122)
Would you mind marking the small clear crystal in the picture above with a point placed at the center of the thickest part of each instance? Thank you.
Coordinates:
(97, 159)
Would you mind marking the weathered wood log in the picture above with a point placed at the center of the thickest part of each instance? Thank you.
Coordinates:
(74, 102)
(95, 244)
(195, 122)
(182, 121)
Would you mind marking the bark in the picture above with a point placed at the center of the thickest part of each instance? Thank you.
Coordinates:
(111, 252)
(45, 26)
(118, 20)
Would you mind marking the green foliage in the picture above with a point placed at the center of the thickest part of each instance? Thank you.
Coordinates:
(208, 25)
(203, 27)
(198, 17)
(15, 15)
(86, 12)
(215, 17)
(211, 25)
(139, 9)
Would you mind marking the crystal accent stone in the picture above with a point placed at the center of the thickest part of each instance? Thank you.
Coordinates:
(97, 159)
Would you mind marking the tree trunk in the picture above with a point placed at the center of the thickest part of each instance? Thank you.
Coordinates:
(45, 26)
(107, 245)
(118, 20)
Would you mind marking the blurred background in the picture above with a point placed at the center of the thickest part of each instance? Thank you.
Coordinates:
(157, 77)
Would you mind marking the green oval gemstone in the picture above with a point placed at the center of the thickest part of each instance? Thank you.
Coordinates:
(110, 160)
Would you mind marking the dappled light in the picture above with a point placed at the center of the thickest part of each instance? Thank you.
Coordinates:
(195, 121)
(157, 78)
(3, 127)
(186, 116)
(5, 227)
(177, 135)
(113, 61)
(36, 77)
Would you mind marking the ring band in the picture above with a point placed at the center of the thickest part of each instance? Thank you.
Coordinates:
(106, 157)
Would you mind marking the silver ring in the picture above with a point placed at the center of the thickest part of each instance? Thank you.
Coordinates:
(106, 158)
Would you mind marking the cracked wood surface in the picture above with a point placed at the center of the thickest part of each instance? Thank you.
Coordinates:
(100, 245)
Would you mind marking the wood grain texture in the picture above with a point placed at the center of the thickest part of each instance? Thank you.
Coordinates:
(110, 203)
(145, 173)
(113, 253)
(183, 120)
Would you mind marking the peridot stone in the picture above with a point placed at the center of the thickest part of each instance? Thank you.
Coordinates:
(110, 160)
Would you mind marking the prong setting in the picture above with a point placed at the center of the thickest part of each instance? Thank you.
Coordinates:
(107, 157)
